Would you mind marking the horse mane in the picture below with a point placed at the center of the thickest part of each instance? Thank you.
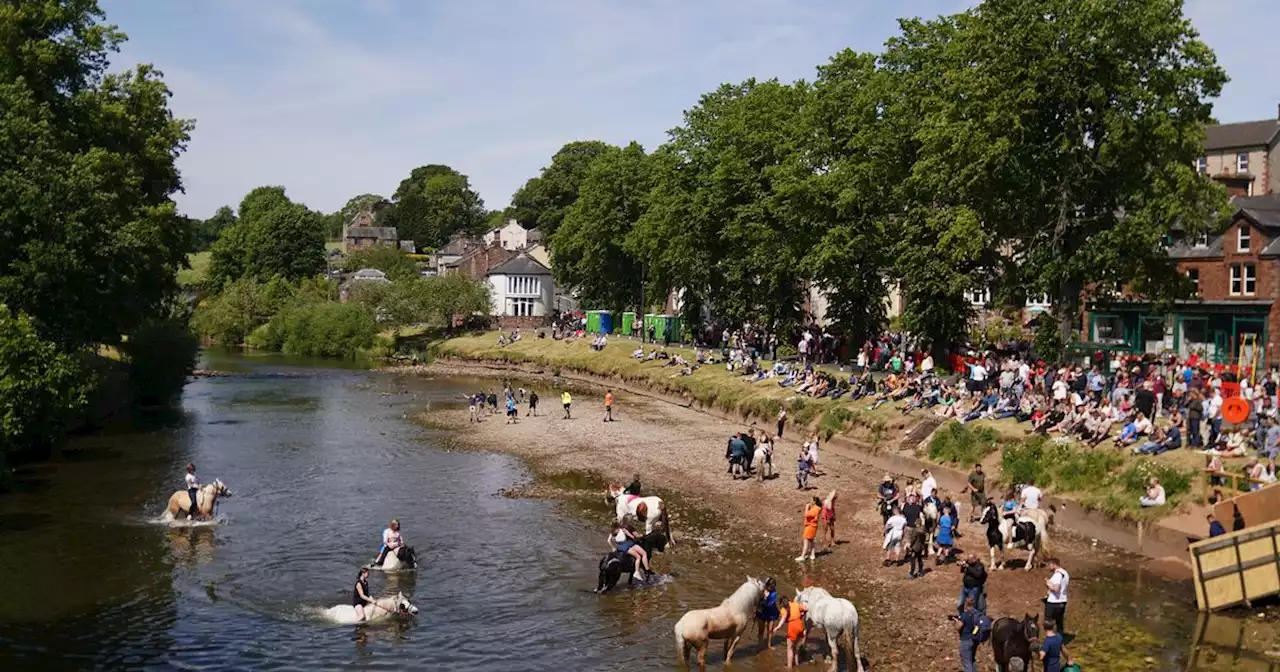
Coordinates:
(745, 598)
(813, 594)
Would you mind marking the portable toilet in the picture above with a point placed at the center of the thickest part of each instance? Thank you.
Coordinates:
(653, 321)
(675, 327)
(593, 321)
(606, 321)
(628, 323)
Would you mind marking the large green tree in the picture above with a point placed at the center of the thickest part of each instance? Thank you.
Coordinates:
(544, 201)
(433, 204)
(593, 250)
(90, 242)
(207, 231)
(273, 236)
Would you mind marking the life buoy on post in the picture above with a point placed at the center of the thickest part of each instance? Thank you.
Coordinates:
(1235, 410)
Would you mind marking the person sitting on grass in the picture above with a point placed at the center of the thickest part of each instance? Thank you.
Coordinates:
(1162, 441)
(1155, 494)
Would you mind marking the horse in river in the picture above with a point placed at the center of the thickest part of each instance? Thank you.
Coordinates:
(727, 621)
(617, 563)
(1030, 530)
(1011, 642)
(398, 560)
(205, 504)
(649, 510)
(382, 609)
(838, 618)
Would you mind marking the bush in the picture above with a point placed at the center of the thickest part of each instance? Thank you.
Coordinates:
(390, 260)
(161, 354)
(1082, 470)
(1175, 481)
(1028, 461)
(318, 330)
(41, 387)
(965, 445)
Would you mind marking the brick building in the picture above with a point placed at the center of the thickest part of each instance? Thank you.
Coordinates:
(1237, 279)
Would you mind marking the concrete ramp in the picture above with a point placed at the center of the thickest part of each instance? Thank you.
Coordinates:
(920, 432)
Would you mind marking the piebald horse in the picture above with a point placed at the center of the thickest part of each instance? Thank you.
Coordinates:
(728, 621)
(1029, 531)
(382, 609)
(838, 618)
(931, 526)
(647, 509)
(206, 501)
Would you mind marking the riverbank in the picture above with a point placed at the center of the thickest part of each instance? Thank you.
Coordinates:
(679, 450)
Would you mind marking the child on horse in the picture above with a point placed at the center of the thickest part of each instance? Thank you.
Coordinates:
(624, 540)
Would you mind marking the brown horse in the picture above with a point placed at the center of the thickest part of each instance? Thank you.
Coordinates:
(206, 500)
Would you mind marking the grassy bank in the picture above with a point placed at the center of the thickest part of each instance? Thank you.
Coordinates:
(1103, 478)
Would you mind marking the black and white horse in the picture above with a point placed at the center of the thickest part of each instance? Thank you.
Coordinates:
(614, 565)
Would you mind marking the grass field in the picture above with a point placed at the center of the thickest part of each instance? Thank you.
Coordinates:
(199, 271)
(1105, 478)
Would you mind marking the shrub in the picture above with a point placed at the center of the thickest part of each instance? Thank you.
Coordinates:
(318, 330)
(41, 387)
(1175, 481)
(161, 354)
(965, 445)
(1079, 470)
(1031, 459)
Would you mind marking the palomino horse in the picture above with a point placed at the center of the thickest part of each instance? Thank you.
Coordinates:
(1030, 531)
(614, 565)
(206, 501)
(398, 560)
(647, 509)
(838, 618)
(728, 621)
(1011, 642)
(382, 609)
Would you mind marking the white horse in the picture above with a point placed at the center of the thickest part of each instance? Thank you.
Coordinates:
(728, 621)
(397, 560)
(838, 618)
(760, 461)
(651, 510)
(382, 609)
(1032, 528)
(205, 504)
(931, 527)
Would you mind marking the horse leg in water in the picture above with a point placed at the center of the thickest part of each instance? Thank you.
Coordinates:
(731, 644)
(702, 655)
(833, 647)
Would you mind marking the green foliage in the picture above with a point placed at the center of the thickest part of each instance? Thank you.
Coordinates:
(325, 329)
(1030, 461)
(161, 354)
(433, 204)
(544, 201)
(339, 219)
(963, 445)
(1079, 470)
(41, 387)
(1174, 480)
(207, 231)
(390, 260)
(90, 242)
(1048, 340)
(273, 237)
(229, 317)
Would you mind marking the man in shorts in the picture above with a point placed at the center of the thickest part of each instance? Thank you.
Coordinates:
(566, 399)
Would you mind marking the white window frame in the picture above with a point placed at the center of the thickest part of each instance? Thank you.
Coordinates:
(979, 296)
(1244, 280)
(1202, 240)
(1242, 162)
(1236, 281)
(520, 307)
(1243, 238)
(1041, 301)
(1194, 275)
(1202, 165)
(1250, 279)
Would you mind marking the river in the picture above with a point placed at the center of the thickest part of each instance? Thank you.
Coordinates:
(319, 458)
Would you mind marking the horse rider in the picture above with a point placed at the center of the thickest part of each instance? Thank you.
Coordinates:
(888, 491)
(391, 541)
(193, 487)
(634, 487)
(624, 540)
(360, 594)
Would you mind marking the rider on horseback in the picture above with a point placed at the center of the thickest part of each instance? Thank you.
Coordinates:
(391, 541)
(888, 492)
(360, 594)
(193, 487)
(624, 540)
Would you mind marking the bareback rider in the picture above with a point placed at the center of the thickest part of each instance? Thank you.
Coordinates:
(624, 540)
(391, 541)
(193, 487)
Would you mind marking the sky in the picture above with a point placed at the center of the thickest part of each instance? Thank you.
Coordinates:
(333, 98)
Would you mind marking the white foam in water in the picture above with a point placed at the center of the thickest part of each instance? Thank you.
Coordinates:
(186, 522)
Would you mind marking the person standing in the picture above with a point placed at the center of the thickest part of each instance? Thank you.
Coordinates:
(829, 520)
(812, 512)
(928, 484)
(973, 584)
(1055, 603)
(1213, 413)
(608, 406)
(533, 403)
(1052, 654)
(977, 489)
(968, 620)
(566, 399)
(795, 614)
(782, 421)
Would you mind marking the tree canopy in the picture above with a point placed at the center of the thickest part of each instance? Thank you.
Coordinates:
(433, 204)
(273, 236)
(544, 201)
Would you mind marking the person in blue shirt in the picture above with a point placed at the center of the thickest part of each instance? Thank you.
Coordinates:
(1052, 653)
(768, 616)
(968, 621)
(945, 537)
(1215, 528)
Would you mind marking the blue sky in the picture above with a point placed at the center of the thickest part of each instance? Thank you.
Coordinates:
(336, 98)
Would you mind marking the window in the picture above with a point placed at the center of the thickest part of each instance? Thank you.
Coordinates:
(1202, 164)
(1242, 238)
(1242, 162)
(1202, 240)
(1194, 275)
(1041, 301)
(1244, 279)
(524, 285)
(521, 307)
(979, 297)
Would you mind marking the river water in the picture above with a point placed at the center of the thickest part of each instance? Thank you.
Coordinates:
(319, 459)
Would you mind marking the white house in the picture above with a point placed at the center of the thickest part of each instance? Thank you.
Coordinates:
(523, 292)
(512, 236)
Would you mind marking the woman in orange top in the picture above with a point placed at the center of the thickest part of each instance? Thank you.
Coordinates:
(812, 512)
(794, 612)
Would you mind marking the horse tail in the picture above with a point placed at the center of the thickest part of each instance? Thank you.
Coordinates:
(682, 646)
(851, 647)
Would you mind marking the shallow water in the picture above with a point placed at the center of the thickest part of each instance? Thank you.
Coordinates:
(319, 459)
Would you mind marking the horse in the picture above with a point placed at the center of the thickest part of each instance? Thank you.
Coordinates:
(1011, 642)
(639, 508)
(1030, 531)
(931, 526)
(995, 536)
(728, 621)
(206, 501)
(382, 609)
(761, 462)
(838, 618)
(614, 565)
(398, 560)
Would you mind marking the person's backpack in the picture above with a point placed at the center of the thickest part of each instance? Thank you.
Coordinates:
(982, 630)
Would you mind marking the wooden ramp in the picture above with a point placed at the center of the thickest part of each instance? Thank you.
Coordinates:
(920, 432)
(1238, 567)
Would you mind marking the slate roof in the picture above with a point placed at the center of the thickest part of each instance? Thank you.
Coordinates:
(1240, 135)
(520, 265)
(1187, 250)
(379, 232)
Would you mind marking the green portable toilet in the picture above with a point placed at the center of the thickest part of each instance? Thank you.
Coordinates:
(652, 320)
(675, 327)
(628, 324)
(593, 321)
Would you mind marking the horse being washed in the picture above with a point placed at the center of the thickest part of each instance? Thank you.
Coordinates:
(382, 609)
(614, 565)
(838, 618)
(646, 509)
(728, 621)
(1029, 531)
(206, 501)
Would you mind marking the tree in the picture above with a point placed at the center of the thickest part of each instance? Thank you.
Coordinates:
(592, 249)
(207, 231)
(90, 241)
(390, 260)
(336, 221)
(1069, 130)
(273, 236)
(544, 201)
(433, 204)
(41, 389)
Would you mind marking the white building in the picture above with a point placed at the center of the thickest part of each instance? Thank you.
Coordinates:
(512, 236)
(521, 288)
